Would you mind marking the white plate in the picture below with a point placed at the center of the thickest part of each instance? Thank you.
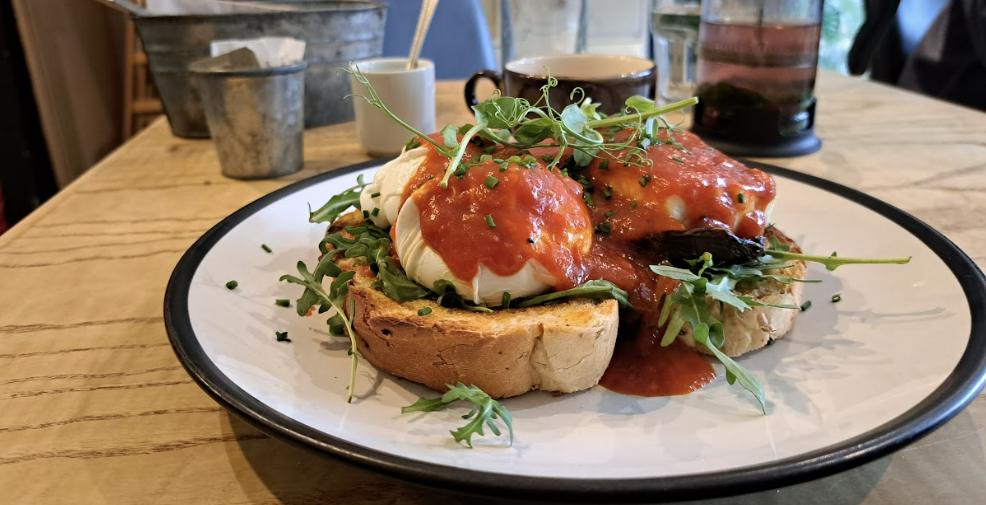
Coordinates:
(903, 351)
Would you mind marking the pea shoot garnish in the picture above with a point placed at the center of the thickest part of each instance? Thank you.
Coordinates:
(517, 123)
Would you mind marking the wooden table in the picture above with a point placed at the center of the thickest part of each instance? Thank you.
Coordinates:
(95, 408)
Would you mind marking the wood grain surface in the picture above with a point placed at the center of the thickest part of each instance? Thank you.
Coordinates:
(95, 408)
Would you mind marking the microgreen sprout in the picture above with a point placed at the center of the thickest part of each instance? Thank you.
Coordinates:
(515, 122)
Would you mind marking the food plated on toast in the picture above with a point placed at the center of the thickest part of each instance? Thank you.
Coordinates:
(554, 251)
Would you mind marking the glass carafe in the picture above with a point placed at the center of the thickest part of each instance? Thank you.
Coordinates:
(756, 76)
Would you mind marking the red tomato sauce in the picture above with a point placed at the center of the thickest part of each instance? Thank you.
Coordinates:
(545, 216)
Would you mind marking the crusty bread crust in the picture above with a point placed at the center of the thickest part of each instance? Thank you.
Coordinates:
(754, 328)
(563, 348)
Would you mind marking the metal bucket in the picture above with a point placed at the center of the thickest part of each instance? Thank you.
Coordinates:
(256, 117)
(335, 33)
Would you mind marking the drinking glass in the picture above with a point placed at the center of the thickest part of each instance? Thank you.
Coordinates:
(674, 27)
(541, 28)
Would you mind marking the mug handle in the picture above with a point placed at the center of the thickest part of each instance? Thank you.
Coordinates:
(471, 84)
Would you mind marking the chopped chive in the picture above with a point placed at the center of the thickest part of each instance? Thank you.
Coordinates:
(489, 221)
(609, 213)
(491, 182)
(503, 166)
(608, 192)
(490, 149)
(564, 172)
(232, 285)
(836, 298)
(375, 211)
(805, 306)
(530, 159)
(484, 158)
(374, 195)
(603, 228)
(514, 159)
(644, 180)
(546, 158)
(282, 336)
(604, 165)
(424, 311)
(366, 214)
(588, 199)
(505, 300)
(265, 247)
(633, 205)
(282, 302)
(679, 160)
(497, 160)
(740, 198)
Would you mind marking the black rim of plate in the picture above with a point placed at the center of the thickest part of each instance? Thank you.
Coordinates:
(957, 391)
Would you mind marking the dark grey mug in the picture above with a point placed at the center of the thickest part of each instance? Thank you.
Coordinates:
(608, 80)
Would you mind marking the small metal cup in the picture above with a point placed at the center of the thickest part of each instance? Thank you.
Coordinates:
(256, 117)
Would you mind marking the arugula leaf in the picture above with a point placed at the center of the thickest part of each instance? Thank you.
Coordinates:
(447, 297)
(394, 282)
(753, 272)
(833, 262)
(596, 290)
(689, 303)
(338, 204)
(735, 372)
(334, 298)
(485, 411)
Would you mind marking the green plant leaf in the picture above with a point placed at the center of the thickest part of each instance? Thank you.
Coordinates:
(449, 136)
(640, 103)
(485, 412)
(338, 204)
(595, 289)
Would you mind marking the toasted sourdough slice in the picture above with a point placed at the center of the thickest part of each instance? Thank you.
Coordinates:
(756, 327)
(562, 348)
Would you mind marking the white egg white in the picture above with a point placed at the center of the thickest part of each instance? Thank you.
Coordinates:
(389, 184)
(425, 266)
(420, 261)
